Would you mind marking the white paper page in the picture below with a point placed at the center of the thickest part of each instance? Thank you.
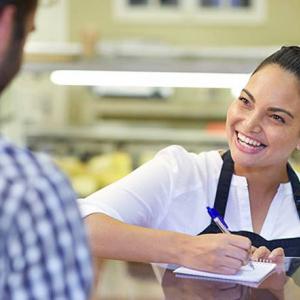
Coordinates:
(246, 273)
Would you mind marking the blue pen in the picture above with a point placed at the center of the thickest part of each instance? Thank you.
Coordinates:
(217, 218)
(219, 221)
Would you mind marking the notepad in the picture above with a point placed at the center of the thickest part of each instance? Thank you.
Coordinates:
(245, 274)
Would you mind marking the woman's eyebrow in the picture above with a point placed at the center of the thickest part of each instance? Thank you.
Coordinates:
(249, 95)
(277, 109)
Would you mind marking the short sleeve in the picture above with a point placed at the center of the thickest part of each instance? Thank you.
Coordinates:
(143, 197)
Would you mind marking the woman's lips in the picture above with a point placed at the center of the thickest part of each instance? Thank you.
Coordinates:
(247, 144)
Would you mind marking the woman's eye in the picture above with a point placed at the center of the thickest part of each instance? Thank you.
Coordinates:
(244, 100)
(278, 118)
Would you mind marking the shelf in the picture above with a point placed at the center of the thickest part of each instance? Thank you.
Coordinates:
(126, 134)
(161, 110)
(145, 55)
(158, 64)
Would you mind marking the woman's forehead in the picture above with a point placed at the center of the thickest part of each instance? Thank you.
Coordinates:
(274, 78)
(274, 86)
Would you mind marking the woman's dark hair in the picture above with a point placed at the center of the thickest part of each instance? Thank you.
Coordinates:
(288, 58)
(23, 9)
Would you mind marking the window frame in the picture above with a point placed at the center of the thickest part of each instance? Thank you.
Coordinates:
(190, 11)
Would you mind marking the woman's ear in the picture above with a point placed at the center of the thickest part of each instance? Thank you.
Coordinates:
(7, 15)
(298, 143)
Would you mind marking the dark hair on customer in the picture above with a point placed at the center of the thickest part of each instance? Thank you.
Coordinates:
(288, 58)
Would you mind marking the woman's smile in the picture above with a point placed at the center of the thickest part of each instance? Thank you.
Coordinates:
(247, 144)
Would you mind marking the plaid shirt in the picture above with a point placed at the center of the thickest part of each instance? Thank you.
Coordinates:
(43, 247)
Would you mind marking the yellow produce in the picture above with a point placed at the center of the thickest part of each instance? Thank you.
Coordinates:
(108, 168)
(84, 184)
(98, 172)
(71, 165)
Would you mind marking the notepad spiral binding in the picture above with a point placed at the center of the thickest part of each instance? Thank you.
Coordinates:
(264, 260)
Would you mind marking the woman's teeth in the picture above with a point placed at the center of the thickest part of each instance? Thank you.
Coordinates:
(245, 140)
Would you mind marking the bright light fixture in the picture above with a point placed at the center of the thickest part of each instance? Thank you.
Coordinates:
(149, 79)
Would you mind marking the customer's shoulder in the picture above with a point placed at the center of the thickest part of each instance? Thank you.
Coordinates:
(20, 164)
(32, 178)
(32, 186)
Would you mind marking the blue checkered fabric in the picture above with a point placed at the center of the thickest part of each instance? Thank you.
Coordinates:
(44, 252)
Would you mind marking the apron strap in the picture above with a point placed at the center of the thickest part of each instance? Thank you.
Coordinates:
(294, 180)
(224, 183)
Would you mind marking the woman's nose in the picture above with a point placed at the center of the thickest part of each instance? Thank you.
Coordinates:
(253, 123)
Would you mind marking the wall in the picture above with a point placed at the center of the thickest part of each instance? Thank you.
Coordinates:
(52, 23)
(281, 26)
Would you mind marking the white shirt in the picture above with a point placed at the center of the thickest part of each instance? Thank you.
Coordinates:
(172, 191)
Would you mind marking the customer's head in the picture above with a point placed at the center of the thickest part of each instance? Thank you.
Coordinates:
(16, 21)
(263, 124)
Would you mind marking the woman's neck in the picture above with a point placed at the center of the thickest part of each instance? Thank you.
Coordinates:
(268, 177)
(263, 185)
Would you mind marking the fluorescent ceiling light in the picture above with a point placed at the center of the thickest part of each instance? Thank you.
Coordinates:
(149, 79)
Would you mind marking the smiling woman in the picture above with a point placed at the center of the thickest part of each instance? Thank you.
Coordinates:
(265, 121)
(158, 212)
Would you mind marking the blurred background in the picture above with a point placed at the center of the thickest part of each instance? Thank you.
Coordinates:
(100, 126)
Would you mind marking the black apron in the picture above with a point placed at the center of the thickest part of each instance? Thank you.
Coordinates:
(291, 246)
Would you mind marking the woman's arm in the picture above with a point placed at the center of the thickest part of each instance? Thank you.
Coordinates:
(212, 252)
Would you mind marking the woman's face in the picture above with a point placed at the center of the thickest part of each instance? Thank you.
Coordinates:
(263, 124)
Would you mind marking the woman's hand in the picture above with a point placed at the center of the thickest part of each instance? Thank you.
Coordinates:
(263, 253)
(218, 253)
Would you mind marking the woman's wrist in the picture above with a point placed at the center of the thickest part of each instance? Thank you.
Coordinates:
(181, 248)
